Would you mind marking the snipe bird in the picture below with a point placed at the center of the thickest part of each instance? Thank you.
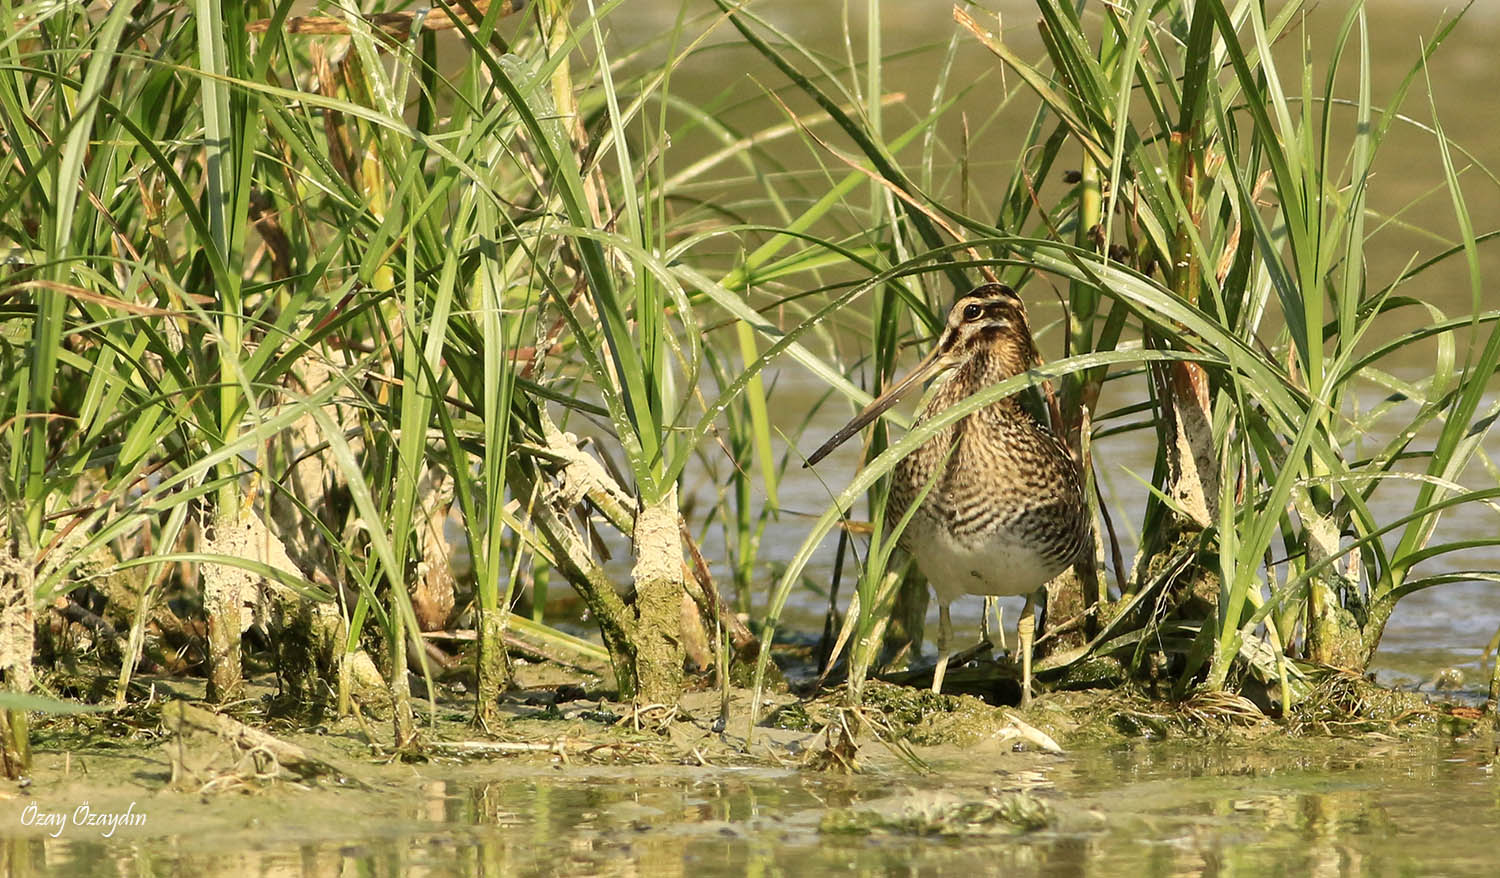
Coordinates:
(1006, 511)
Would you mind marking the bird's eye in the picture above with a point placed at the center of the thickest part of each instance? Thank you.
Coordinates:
(972, 313)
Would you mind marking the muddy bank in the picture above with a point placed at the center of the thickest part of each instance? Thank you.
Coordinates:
(568, 783)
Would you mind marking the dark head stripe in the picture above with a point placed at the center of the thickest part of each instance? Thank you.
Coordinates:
(994, 291)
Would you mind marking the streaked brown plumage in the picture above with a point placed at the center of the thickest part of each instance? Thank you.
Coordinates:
(1006, 511)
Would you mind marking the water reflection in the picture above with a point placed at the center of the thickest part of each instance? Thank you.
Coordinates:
(1350, 808)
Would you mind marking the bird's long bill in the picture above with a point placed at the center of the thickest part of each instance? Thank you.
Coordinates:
(933, 364)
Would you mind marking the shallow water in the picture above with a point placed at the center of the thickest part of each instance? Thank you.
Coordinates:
(1347, 808)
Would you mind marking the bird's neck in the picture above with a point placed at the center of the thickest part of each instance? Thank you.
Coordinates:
(984, 369)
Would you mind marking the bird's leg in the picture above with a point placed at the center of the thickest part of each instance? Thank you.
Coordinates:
(1026, 634)
(945, 636)
(993, 603)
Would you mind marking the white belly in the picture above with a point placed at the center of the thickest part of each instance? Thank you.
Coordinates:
(996, 566)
